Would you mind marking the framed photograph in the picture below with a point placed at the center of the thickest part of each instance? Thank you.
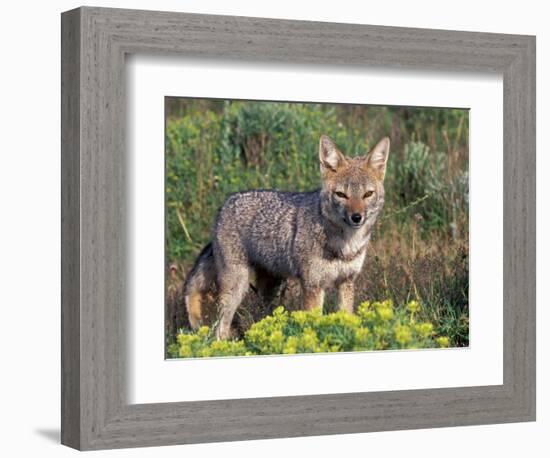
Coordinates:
(277, 228)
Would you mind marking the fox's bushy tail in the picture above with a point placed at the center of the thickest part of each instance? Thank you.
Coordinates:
(200, 280)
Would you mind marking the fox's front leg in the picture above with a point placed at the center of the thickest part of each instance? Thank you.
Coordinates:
(345, 296)
(313, 297)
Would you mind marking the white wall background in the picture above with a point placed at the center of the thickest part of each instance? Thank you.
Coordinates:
(30, 228)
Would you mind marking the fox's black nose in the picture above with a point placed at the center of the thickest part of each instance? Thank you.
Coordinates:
(356, 218)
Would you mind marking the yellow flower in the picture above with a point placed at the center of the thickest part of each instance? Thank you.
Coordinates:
(385, 313)
(205, 352)
(363, 306)
(362, 335)
(402, 334)
(309, 340)
(185, 352)
(424, 329)
(413, 306)
(368, 315)
(291, 346)
(341, 318)
(276, 341)
(387, 303)
(384, 309)
(203, 331)
(187, 339)
(443, 342)
(279, 311)
(299, 317)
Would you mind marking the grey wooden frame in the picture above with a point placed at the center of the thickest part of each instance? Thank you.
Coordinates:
(95, 413)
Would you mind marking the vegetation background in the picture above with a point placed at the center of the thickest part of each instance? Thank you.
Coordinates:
(419, 250)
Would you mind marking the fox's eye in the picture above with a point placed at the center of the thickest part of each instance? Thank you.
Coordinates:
(341, 195)
(368, 194)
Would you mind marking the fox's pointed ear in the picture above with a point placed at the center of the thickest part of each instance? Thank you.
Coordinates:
(330, 157)
(377, 158)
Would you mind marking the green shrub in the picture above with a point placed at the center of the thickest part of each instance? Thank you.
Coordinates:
(428, 184)
(375, 326)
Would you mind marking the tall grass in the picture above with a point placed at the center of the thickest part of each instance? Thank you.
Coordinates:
(420, 248)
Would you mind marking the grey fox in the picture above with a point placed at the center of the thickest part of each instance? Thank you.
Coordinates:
(319, 237)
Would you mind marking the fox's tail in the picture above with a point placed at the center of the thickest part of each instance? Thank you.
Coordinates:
(198, 283)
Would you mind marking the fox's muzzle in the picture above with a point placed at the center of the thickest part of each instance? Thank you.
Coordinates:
(354, 220)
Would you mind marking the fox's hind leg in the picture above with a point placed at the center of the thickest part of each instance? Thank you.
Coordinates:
(195, 303)
(233, 285)
(198, 285)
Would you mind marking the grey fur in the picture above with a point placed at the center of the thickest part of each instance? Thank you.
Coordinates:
(309, 236)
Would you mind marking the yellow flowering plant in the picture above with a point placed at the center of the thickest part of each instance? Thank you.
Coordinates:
(374, 326)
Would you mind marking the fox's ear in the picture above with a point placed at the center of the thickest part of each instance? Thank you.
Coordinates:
(377, 158)
(330, 157)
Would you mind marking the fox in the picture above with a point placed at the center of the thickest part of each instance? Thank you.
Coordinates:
(318, 238)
